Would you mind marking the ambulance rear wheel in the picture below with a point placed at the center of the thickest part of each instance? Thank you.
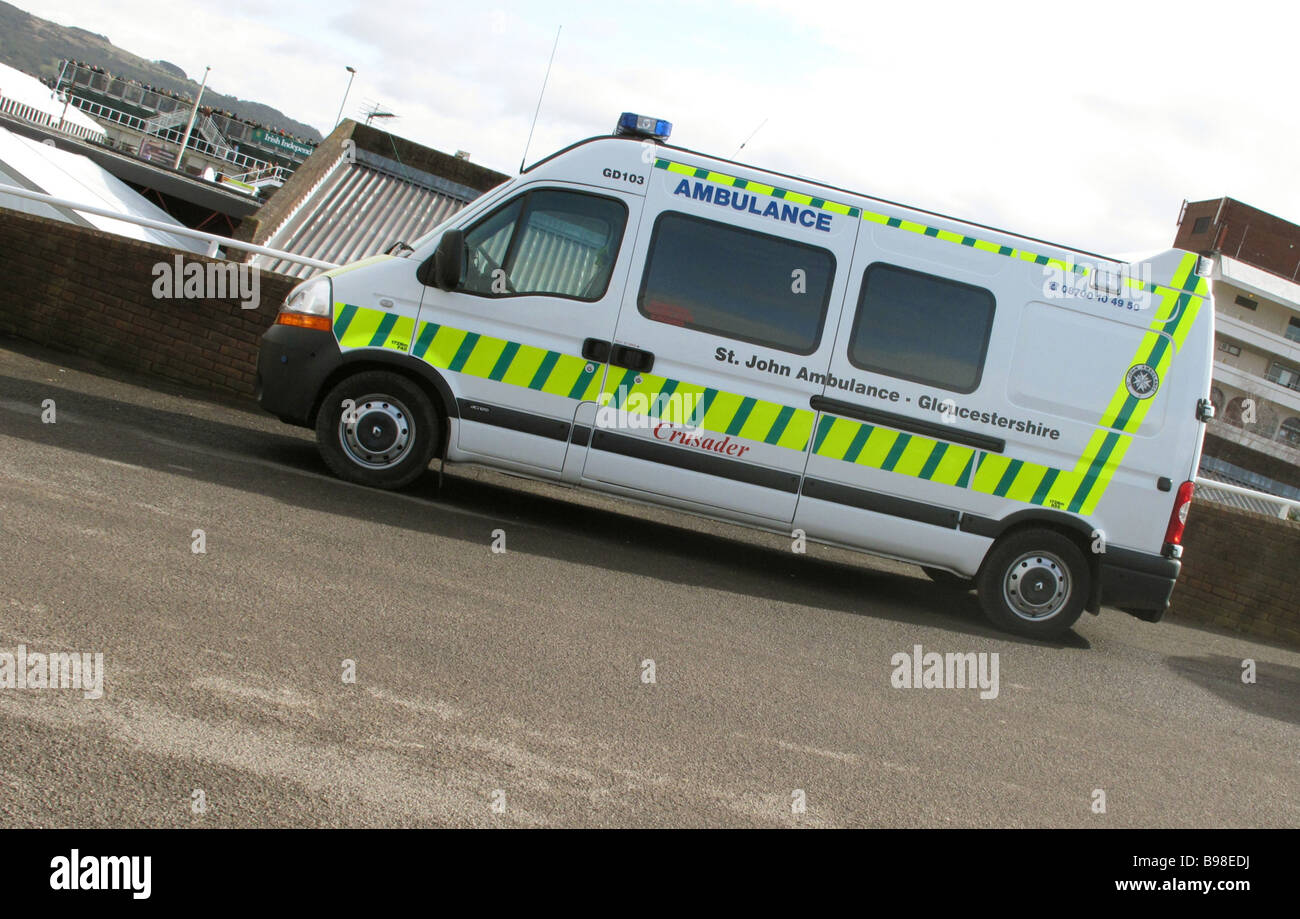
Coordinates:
(1034, 583)
(377, 428)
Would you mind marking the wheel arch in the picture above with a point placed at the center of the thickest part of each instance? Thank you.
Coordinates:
(418, 372)
(1076, 529)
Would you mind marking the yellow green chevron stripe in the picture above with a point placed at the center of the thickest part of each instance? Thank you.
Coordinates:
(573, 377)
(714, 410)
(772, 191)
(893, 451)
(849, 210)
(1180, 304)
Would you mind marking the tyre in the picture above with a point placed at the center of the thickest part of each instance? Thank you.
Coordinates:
(1034, 583)
(948, 579)
(377, 428)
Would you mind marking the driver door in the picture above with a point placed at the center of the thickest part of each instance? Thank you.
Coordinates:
(545, 279)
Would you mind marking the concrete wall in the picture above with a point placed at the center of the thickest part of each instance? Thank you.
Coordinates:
(91, 293)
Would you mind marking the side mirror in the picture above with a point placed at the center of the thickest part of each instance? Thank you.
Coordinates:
(445, 269)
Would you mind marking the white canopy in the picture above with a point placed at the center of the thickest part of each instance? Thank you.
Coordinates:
(30, 164)
(31, 92)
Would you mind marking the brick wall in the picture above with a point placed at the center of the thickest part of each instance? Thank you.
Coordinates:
(1241, 571)
(1242, 232)
(91, 293)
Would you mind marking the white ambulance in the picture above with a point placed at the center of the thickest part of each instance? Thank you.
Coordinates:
(662, 325)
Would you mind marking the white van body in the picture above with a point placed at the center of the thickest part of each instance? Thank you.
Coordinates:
(655, 323)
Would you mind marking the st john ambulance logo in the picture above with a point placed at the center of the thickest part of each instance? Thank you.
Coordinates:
(1142, 381)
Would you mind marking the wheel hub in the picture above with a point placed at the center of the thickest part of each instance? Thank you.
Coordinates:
(377, 433)
(1036, 585)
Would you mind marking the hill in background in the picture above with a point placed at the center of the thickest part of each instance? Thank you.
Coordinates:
(37, 46)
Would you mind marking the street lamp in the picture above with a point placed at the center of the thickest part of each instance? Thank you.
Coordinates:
(353, 71)
(193, 114)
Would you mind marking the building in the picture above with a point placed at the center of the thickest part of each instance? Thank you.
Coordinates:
(35, 166)
(1255, 438)
(150, 122)
(26, 98)
(362, 192)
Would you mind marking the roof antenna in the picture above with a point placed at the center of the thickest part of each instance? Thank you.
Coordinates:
(527, 143)
(748, 139)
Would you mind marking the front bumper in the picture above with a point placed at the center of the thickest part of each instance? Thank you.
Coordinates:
(1138, 583)
(292, 365)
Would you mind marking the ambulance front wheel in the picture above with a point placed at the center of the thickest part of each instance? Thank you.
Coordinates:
(377, 428)
(1034, 583)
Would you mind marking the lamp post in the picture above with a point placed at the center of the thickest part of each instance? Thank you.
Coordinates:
(193, 114)
(353, 72)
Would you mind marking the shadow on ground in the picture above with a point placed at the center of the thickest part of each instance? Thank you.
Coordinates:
(453, 506)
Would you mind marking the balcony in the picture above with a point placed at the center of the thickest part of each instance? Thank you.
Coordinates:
(1284, 397)
(1257, 281)
(1275, 345)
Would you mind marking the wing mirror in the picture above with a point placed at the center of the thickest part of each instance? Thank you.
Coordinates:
(446, 268)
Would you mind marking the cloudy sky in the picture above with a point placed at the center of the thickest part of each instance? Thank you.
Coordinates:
(1085, 123)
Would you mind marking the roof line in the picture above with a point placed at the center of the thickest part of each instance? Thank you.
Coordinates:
(835, 188)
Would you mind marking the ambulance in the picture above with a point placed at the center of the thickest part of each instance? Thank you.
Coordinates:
(1014, 416)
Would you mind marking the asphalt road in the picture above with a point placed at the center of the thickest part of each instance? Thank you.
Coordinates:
(486, 678)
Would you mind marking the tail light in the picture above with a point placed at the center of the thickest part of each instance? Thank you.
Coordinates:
(1178, 518)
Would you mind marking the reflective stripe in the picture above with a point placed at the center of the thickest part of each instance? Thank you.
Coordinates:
(850, 210)
(574, 377)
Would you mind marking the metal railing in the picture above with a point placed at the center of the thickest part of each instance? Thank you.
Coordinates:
(99, 110)
(212, 239)
(24, 112)
(1260, 502)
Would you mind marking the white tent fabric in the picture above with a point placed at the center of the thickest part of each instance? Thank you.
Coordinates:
(29, 164)
(28, 91)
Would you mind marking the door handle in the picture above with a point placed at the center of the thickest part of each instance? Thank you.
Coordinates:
(632, 358)
(594, 349)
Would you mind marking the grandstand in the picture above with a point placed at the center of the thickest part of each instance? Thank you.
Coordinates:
(150, 121)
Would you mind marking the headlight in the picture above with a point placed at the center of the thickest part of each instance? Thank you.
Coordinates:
(310, 305)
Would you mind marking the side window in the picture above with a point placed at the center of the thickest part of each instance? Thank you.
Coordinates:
(714, 277)
(547, 242)
(921, 327)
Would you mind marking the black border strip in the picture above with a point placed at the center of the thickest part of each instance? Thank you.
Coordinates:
(906, 423)
(639, 448)
(526, 422)
(881, 503)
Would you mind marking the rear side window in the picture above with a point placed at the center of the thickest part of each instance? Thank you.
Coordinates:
(921, 327)
(549, 242)
(713, 277)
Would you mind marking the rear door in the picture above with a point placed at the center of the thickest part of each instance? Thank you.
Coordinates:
(725, 327)
(546, 273)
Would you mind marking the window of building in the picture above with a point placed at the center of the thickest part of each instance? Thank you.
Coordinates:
(1293, 329)
(548, 242)
(1229, 348)
(1200, 226)
(921, 327)
(1289, 432)
(737, 283)
(1283, 376)
(1247, 303)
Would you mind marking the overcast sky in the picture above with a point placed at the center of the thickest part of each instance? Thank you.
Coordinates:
(1086, 123)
